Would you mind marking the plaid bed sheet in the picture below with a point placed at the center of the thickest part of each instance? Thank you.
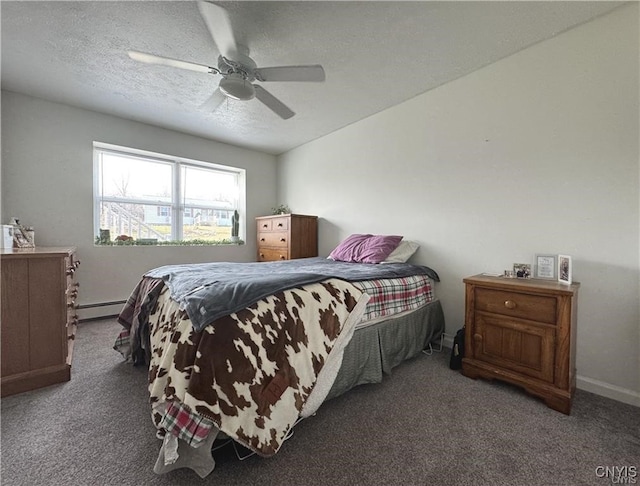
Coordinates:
(395, 295)
(191, 427)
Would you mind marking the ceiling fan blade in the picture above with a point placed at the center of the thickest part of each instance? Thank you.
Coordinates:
(219, 26)
(165, 61)
(214, 101)
(313, 73)
(273, 103)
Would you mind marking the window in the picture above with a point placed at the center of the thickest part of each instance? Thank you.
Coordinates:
(149, 196)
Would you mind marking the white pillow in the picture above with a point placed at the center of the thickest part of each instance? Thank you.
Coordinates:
(403, 252)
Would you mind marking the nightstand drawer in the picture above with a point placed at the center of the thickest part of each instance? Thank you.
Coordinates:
(538, 308)
(279, 239)
(272, 254)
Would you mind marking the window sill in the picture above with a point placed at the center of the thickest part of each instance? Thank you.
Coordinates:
(169, 243)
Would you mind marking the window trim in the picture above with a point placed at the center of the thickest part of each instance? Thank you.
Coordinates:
(177, 203)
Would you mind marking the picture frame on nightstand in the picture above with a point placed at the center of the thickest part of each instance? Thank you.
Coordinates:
(565, 269)
(545, 266)
(522, 270)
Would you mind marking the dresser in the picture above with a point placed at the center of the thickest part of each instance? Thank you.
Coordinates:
(523, 331)
(38, 317)
(287, 236)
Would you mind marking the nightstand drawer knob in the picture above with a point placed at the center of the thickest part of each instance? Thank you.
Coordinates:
(509, 304)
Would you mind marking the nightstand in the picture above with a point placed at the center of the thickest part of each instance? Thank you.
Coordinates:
(523, 331)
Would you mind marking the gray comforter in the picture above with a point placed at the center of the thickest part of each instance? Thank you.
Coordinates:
(208, 291)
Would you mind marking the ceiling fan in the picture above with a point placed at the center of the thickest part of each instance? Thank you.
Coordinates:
(238, 70)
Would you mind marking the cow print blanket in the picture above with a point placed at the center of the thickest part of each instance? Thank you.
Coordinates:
(251, 372)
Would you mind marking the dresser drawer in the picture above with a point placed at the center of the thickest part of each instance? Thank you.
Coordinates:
(264, 225)
(272, 254)
(278, 224)
(278, 239)
(538, 308)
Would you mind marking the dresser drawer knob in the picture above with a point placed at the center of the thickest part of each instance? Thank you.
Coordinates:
(509, 304)
(282, 257)
(279, 225)
(283, 239)
(261, 239)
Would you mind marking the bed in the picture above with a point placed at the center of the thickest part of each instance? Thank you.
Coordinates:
(245, 351)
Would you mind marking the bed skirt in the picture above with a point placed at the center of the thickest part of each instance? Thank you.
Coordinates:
(375, 350)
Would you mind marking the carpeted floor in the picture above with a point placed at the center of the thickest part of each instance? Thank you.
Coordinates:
(424, 425)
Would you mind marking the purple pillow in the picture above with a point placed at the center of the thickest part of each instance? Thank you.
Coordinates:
(365, 248)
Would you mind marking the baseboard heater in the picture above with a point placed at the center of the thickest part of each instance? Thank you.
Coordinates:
(97, 305)
(101, 304)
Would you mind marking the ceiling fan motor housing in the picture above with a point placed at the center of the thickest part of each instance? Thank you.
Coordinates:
(237, 76)
(237, 87)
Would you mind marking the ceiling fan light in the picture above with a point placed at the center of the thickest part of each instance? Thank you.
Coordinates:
(237, 88)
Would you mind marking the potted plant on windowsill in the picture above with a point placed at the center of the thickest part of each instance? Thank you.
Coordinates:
(235, 227)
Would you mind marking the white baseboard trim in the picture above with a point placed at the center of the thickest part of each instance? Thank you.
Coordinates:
(614, 392)
(447, 341)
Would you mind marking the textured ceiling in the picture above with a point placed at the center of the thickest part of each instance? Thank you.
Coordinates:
(375, 55)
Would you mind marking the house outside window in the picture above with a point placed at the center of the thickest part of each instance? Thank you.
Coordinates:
(154, 197)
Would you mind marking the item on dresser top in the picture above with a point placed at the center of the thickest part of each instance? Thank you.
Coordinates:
(282, 209)
(7, 236)
(23, 236)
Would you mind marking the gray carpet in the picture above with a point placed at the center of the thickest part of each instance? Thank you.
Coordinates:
(424, 425)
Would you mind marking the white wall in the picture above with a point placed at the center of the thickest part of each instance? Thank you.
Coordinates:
(47, 181)
(537, 153)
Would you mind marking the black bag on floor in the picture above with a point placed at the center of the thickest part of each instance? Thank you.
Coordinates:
(457, 352)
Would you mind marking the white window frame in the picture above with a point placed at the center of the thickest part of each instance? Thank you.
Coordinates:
(177, 200)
